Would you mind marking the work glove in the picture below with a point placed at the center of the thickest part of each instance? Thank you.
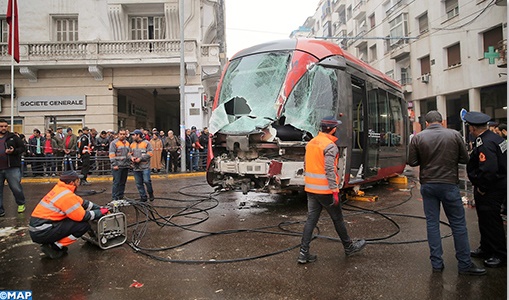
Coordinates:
(335, 198)
(104, 210)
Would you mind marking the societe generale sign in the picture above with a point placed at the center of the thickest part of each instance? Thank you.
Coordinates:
(52, 103)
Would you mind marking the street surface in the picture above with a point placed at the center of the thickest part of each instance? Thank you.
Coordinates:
(196, 244)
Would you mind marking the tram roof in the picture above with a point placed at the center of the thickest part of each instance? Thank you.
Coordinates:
(318, 48)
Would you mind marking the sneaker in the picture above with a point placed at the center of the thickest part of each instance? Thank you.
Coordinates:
(355, 247)
(52, 251)
(2, 214)
(21, 208)
(305, 257)
(143, 199)
(151, 197)
(84, 182)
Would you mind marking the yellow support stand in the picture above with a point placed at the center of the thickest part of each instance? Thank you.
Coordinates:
(360, 196)
(400, 179)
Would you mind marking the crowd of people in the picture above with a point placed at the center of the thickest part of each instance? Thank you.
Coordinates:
(52, 152)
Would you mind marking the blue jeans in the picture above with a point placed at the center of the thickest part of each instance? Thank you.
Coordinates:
(449, 195)
(195, 156)
(141, 178)
(13, 176)
(119, 180)
(315, 204)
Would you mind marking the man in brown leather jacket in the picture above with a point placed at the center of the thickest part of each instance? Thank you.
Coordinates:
(438, 150)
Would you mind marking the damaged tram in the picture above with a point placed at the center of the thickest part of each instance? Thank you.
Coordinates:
(269, 104)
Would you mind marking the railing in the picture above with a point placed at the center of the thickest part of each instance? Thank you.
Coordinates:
(52, 166)
(114, 50)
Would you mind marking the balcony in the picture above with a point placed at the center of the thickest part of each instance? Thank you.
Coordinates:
(399, 49)
(110, 53)
(359, 10)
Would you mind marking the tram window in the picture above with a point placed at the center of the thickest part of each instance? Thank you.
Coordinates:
(398, 123)
(358, 95)
(315, 96)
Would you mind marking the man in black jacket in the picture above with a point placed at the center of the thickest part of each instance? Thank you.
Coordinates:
(11, 148)
(85, 148)
(487, 170)
(438, 150)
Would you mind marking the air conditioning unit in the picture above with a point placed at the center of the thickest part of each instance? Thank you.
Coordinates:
(425, 78)
(5, 89)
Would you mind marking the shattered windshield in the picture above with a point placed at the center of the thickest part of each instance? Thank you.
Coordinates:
(315, 96)
(249, 90)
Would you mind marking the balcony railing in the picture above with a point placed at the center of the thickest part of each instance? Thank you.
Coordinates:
(67, 52)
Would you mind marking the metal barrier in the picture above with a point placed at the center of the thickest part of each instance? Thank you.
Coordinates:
(48, 166)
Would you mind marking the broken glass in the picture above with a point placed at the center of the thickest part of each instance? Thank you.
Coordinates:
(313, 98)
(249, 91)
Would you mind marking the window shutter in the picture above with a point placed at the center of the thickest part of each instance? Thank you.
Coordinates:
(453, 55)
(492, 37)
(425, 65)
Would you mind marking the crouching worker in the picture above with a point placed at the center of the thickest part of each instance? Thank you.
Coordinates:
(61, 217)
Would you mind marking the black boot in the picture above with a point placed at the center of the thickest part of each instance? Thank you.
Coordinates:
(305, 257)
(354, 247)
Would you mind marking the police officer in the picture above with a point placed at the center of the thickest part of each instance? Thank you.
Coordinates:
(487, 170)
(322, 188)
(85, 148)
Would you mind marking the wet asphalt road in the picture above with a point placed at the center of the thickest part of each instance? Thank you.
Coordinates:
(248, 250)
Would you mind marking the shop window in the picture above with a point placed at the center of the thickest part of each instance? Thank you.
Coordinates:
(74, 122)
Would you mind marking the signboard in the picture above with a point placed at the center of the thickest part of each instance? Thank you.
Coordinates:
(52, 103)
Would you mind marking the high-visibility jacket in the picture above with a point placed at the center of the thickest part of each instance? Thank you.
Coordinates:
(321, 178)
(142, 150)
(118, 154)
(61, 203)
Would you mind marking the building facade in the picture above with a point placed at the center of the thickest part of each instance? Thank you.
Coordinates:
(447, 55)
(112, 63)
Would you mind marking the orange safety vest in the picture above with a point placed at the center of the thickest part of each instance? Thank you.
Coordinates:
(315, 178)
(60, 203)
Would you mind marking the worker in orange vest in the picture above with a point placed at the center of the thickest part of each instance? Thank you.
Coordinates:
(61, 217)
(322, 187)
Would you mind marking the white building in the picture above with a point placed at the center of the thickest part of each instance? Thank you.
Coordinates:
(435, 49)
(112, 63)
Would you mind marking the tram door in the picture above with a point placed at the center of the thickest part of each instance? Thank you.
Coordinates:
(375, 135)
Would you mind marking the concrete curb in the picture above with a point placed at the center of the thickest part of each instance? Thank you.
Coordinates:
(108, 178)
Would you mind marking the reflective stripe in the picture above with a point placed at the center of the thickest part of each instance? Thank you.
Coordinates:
(60, 195)
(317, 187)
(92, 214)
(72, 208)
(39, 228)
(315, 175)
(90, 205)
(51, 205)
